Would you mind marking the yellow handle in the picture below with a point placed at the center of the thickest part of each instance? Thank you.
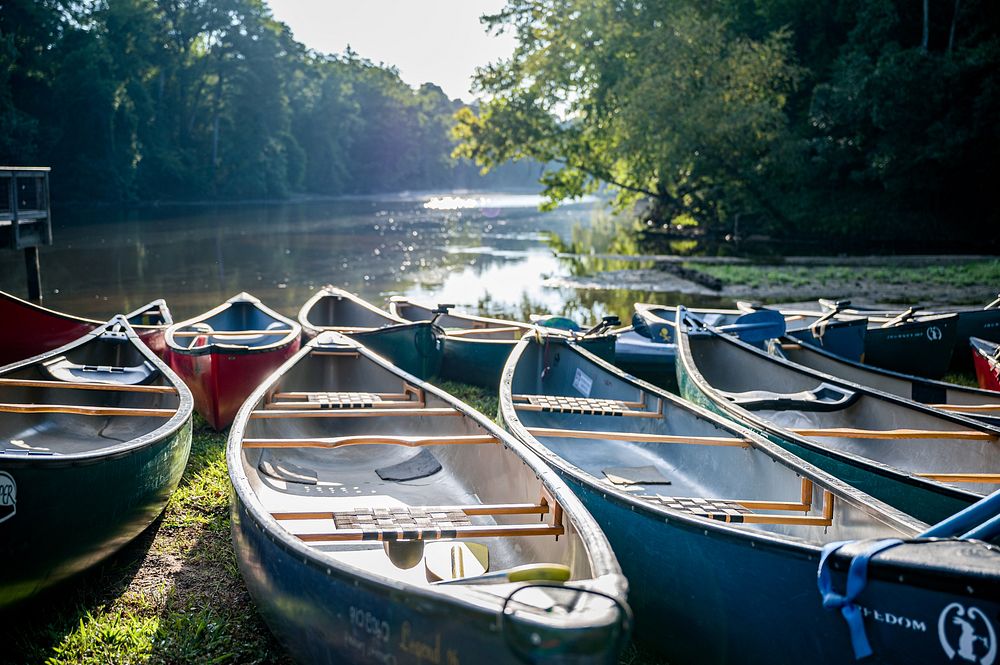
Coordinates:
(535, 572)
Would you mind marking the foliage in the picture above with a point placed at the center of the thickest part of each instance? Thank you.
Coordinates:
(209, 99)
(789, 119)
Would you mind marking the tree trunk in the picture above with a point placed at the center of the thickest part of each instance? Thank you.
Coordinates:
(951, 31)
(927, 20)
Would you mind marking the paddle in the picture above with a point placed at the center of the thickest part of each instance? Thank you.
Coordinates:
(757, 326)
(980, 520)
(531, 572)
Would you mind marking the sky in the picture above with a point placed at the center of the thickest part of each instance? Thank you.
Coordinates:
(437, 41)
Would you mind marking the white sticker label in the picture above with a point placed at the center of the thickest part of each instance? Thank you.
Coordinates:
(583, 383)
(8, 496)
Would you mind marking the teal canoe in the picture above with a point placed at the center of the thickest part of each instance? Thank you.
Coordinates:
(94, 437)
(922, 461)
(721, 532)
(414, 346)
(476, 347)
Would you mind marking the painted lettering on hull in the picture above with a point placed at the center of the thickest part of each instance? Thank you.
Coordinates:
(8, 496)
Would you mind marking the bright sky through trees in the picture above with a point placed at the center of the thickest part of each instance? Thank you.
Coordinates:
(440, 41)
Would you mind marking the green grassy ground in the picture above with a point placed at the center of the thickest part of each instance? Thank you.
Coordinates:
(970, 277)
(175, 595)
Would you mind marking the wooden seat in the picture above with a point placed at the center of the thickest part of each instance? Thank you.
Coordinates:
(86, 410)
(585, 406)
(638, 437)
(277, 412)
(988, 478)
(741, 510)
(408, 398)
(540, 508)
(66, 385)
(854, 433)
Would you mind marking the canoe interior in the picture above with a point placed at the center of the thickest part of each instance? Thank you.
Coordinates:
(332, 309)
(101, 360)
(708, 470)
(301, 479)
(734, 368)
(263, 329)
(916, 388)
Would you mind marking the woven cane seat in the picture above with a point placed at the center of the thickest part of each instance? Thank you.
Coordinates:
(582, 405)
(716, 509)
(344, 400)
(402, 523)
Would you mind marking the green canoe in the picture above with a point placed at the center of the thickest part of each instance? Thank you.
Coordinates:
(94, 437)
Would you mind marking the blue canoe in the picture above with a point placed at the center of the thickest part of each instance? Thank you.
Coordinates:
(720, 532)
(364, 499)
(926, 462)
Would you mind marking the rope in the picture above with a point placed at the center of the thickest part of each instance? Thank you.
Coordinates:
(857, 578)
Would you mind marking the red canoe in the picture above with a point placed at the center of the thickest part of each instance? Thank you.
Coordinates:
(29, 329)
(225, 353)
(986, 358)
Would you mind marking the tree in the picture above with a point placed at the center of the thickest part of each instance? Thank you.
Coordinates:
(658, 99)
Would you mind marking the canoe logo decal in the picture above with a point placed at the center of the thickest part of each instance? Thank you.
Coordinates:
(934, 334)
(968, 634)
(8, 496)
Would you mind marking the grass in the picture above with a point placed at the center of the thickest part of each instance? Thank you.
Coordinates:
(175, 594)
(956, 276)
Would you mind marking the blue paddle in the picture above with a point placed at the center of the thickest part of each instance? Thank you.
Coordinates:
(757, 326)
(980, 520)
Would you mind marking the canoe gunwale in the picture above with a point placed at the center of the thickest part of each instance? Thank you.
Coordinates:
(311, 330)
(472, 318)
(606, 573)
(718, 529)
(739, 413)
(168, 429)
(216, 348)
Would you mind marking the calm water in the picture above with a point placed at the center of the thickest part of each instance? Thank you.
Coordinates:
(485, 252)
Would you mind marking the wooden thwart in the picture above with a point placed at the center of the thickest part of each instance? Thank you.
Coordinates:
(968, 408)
(475, 332)
(231, 333)
(638, 437)
(86, 410)
(483, 509)
(66, 385)
(739, 511)
(852, 433)
(371, 439)
(353, 413)
(990, 478)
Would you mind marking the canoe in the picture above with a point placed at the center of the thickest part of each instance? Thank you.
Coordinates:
(925, 462)
(378, 519)
(415, 347)
(910, 343)
(982, 322)
(94, 437)
(40, 329)
(971, 402)
(645, 358)
(986, 359)
(719, 531)
(224, 353)
(844, 336)
(475, 348)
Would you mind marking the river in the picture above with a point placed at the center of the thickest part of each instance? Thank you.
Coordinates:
(485, 252)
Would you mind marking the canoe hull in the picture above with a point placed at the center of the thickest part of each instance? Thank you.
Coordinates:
(481, 362)
(324, 615)
(987, 367)
(221, 382)
(843, 338)
(36, 330)
(922, 348)
(113, 500)
(416, 348)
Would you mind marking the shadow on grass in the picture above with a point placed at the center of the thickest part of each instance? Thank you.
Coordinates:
(173, 595)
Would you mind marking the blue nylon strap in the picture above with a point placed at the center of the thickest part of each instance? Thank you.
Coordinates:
(857, 578)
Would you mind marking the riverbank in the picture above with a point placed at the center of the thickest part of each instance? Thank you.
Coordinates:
(175, 594)
(929, 281)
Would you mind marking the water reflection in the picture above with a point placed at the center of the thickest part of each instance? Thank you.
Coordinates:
(480, 251)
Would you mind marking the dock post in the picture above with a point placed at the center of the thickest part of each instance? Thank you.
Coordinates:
(34, 270)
